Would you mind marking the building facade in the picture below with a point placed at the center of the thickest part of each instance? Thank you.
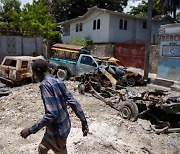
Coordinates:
(105, 26)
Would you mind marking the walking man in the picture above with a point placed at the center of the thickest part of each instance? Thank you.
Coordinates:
(55, 97)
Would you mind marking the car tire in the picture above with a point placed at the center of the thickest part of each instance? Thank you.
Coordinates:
(130, 81)
(62, 74)
(26, 81)
(129, 110)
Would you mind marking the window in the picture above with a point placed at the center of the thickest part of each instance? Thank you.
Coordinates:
(87, 60)
(125, 24)
(24, 64)
(120, 24)
(94, 24)
(66, 30)
(10, 62)
(144, 24)
(98, 23)
(80, 27)
(77, 26)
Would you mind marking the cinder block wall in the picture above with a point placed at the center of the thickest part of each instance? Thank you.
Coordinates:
(102, 49)
(154, 56)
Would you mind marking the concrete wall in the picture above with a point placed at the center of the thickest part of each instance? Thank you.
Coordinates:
(135, 31)
(169, 68)
(120, 35)
(102, 50)
(20, 45)
(98, 35)
(169, 61)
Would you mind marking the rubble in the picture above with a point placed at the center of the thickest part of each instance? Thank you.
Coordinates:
(130, 104)
(109, 133)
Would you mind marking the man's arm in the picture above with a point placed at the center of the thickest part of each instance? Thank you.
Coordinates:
(50, 105)
(74, 104)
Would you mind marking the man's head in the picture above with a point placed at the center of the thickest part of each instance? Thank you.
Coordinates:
(40, 69)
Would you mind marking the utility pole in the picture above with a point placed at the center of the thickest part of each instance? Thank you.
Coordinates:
(148, 40)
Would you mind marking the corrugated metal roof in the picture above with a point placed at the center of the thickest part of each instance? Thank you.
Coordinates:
(67, 46)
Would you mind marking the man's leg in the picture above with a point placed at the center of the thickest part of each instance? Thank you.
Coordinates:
(59, 146)
(44, 147)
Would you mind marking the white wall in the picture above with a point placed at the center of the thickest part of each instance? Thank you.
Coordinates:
(135, 31)
(20, 45)
(121, 35)
(156, 26)
(110, 32)
(140, 31)
(98, 35)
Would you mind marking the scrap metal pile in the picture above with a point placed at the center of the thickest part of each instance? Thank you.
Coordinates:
(131, 105)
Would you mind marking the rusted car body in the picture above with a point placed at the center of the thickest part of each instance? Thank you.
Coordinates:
(17, 69)
(131, 78)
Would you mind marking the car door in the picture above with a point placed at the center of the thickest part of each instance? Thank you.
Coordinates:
(85, 64)
(8, 69)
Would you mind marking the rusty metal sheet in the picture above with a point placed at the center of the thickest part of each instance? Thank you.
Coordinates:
(67, 46)
(109, 76)
(130, 55)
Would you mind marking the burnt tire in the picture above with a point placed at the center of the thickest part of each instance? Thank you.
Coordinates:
(130, 81)
(26, 81)
(62, 74)
(81, 89)
(129, 110)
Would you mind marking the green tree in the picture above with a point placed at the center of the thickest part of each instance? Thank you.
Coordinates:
(142, 8)
(170, 5)
(32, 20)
(81, 42)
(9, 9)
(35, 19)
(178, 17)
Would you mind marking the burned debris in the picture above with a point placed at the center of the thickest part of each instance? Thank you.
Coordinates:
(16, 70)
(130, 104)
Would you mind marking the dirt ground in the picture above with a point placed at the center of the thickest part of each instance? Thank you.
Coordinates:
(109, 134)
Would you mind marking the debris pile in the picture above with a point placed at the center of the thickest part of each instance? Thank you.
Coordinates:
(109, 133)
(130, 104)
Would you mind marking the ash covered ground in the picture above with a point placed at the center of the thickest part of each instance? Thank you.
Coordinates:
(109, 133)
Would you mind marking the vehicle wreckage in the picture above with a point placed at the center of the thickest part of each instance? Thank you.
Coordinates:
(131, 105)
(16, 70)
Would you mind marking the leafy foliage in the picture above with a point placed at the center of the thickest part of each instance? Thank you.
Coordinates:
(178, 17)
(170, 5)
(81, 42)
(32, 20)
(62, 10)
(142, 9)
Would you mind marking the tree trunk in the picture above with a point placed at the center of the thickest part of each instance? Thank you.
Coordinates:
(148, 40)
(174, 11)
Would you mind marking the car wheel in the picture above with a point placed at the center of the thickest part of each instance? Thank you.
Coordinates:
(129, 111)
(130, 81)
(62, 74)
(26, 81)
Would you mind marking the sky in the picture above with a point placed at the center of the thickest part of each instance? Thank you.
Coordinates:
(25, 1)
(127, 9)
(132, 3)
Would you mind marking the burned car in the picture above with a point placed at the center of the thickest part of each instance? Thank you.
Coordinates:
(119, 71)
(15, 70)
